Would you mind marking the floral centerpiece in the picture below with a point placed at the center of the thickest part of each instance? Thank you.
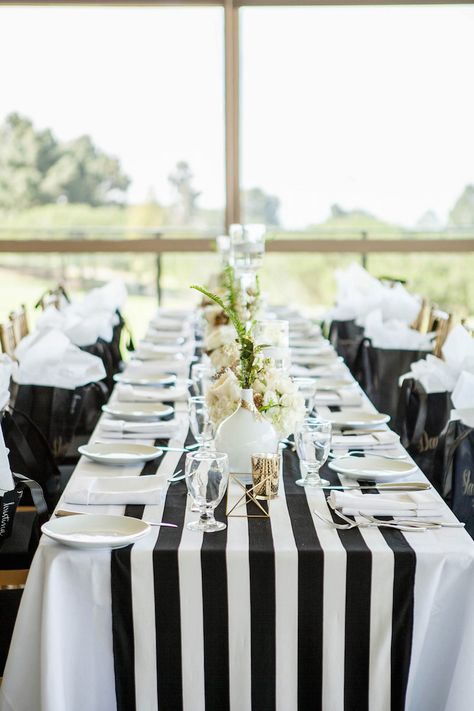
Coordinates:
(274, 396)
(219, 338)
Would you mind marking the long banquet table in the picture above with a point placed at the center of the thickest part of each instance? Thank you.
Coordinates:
(279, 613)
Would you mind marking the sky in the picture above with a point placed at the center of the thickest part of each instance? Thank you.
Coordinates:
(367, 107)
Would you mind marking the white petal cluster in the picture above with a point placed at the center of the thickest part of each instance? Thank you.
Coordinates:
(218, 337)
(223, 397)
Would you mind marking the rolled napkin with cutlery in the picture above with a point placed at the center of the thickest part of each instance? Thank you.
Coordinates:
(129, 393)
(406, 505)
(118, 490)
(365, 440)
(120, 429)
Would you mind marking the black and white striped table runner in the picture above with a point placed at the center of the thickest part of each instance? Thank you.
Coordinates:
(275, 613)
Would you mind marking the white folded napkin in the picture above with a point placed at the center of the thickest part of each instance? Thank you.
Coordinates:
(117, 490)
(129, 393)
(365, 441)
(111, 426)
(407, 505)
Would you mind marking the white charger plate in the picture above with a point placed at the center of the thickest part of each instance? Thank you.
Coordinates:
(357, 419)
(95, 531)
(155, 379)
(119, 453)
(137, 410)
(372, 467)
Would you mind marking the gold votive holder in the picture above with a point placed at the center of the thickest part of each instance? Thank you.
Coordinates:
(265, 475)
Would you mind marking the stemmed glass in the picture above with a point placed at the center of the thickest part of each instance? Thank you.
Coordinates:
(200, 421)
(207, 475)
(307, 387)
(201, 377)
(313, 442)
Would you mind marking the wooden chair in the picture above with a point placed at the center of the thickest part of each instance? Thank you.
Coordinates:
(7, 338)
(421, 322)
(441, 323)
(19, 321)
(53, 297)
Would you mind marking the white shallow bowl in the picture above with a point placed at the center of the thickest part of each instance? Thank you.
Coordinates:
(95, 531)
(357, 419)
(120, 453)
(145, 378)
(372, 467)
(137, 410)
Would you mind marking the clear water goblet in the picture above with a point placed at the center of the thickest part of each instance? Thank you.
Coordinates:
(207, 476)
(200, 421)
(313, 443)
(307, 387)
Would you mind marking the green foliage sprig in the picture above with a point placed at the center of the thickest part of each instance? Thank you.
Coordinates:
(248, 349)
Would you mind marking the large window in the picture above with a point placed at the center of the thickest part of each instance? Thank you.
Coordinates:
(358, 118)
(350, 121)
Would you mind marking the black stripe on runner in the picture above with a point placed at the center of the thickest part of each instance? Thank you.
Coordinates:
(215, 617)
(310, 589)
(167, 596)
(262, 610)
(358, 605)
(122, 612)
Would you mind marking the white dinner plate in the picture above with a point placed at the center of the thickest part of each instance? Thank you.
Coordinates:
(316, 342)
(119, 452)
(373, 467)
(333, 383)
(315, 349)
(356, 418)
(95, 531)
(324, 358)
(137, 378)
(137, 411)
(164, 338)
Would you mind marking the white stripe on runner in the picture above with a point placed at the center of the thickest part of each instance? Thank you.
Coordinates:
(238, 586)
(286, 603)
(143, 591)
(334, 604)
(381, 607)
(192, 625)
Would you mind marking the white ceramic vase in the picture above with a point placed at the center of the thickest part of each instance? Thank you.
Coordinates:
(245, 433)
